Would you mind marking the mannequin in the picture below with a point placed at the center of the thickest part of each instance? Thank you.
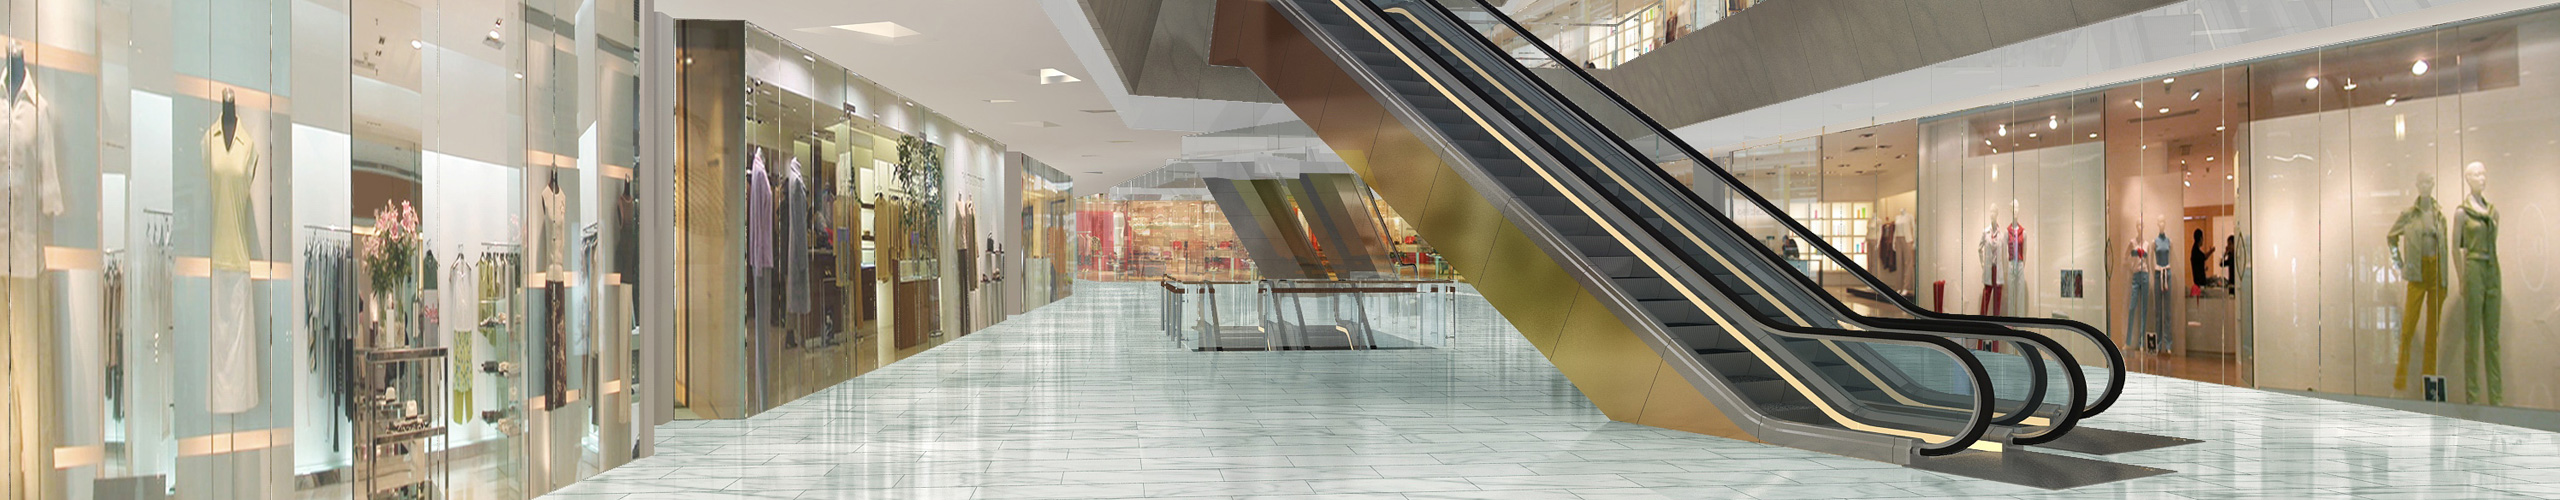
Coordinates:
(1900, 243)
(1994, 252)
(2476, 238)
(31, 191)
(2417, 250)
(2015, 286)
(1886, 259)
(2163, 278)
(555, 212)
(2137, 308)
(232, 161)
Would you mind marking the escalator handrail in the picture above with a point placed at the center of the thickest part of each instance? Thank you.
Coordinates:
(2114, 356)
(2077, 385)
(1981, 417)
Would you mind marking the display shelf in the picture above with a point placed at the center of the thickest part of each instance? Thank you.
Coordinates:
(1842, 224)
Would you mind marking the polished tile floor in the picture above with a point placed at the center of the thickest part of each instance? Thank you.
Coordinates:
(1086, 399)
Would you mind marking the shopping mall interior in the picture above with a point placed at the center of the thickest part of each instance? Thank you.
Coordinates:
(1278, 249)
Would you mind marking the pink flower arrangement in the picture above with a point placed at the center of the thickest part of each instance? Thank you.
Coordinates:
(391, 255)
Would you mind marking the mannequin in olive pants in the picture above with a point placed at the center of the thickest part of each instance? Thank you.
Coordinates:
(2476, 237)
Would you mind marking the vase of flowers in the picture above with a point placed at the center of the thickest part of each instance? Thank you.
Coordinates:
(391, 269)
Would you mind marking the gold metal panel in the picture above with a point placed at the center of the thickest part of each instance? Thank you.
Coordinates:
(1400, 168)
(1677, 405)
(1590, 345)
(1529, 290)
(1611, 366)
(1461, 223)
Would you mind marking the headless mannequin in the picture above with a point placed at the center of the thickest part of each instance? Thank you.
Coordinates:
(2015, 286)
(1994, 252)
(2163, 272)
(2476, 239)
(2138, 309)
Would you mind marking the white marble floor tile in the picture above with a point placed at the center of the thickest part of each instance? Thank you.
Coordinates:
(1086, 399)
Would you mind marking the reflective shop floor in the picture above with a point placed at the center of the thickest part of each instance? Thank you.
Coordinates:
(1087, 399)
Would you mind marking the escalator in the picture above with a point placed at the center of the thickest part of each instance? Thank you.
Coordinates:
(1585, 179)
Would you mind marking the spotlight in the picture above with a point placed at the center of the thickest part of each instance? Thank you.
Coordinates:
(2053, 122)
(2418, 68)
(2312, 83)
(2004, 130)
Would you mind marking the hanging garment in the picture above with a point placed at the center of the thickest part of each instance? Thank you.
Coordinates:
(30, 181)
(759, 188)
(114, 323)
(555, 361)
(626, 235)
(796, 206)
(1994, 252)
(2483, 300)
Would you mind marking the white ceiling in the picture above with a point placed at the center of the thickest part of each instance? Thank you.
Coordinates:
(965, 53)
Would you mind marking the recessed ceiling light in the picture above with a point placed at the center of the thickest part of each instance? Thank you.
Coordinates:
(1052, 75)
(415, 44)
(883, 29)
(2311, 83)
(2169, 80)
(2418, 68)
(2194, 95)
(2164, 111)
(2093, 135)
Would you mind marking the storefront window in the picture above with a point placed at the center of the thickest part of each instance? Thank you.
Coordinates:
(2324, 220)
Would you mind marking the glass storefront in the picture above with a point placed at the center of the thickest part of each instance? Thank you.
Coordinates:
(271, 249)
(829, 225)
(2325, 220)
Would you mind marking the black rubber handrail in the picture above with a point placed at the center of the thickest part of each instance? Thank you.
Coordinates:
(2115, 357)
(1981, 417)
(2077, 386)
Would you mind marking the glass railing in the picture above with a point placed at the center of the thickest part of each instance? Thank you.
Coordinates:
(1295, 315)
(1643, 191)
(1623, 130)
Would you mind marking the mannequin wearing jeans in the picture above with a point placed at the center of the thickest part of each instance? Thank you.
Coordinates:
(2476, 236)
(2417, 248)
(2136, 311)
(2166, 337)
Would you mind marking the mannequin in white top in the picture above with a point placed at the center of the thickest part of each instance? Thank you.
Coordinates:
(1994, 252)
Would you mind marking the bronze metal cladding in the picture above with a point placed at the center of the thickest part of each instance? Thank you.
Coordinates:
(1568, 323)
